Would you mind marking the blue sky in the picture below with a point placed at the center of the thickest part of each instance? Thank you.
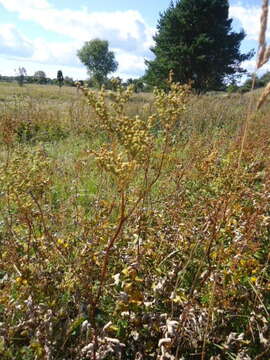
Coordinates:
(45, 34)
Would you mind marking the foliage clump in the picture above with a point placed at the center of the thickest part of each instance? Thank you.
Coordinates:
(98, 59)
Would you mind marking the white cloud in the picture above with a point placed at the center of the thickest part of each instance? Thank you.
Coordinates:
(24, 5)
(250, 65)
(58, 53)
(128, 34)
(13, 43)
(248, 16)
(129, 62)
(123, 29)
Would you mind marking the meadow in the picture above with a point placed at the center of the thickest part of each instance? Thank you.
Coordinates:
(133, 226)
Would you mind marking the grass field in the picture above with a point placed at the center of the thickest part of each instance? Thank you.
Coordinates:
(132, 226)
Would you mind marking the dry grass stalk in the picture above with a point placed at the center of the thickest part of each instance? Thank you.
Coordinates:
(264, 52)
(262, 36)
(263, 56)
(266, 56)
(263, 96)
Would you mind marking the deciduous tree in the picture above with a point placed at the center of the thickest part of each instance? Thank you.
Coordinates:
(40, 77)
(95, 55)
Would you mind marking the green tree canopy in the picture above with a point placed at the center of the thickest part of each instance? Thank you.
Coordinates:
(95, 55)
(195, 39)
(40, 77)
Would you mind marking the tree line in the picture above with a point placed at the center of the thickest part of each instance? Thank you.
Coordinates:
(260, 82)
(39, 77)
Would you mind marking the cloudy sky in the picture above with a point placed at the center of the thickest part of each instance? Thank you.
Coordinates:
(46, 34)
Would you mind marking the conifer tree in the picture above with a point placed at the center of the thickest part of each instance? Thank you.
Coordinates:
(60, 78)
(195, 40)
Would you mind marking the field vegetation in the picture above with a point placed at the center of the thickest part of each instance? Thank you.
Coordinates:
(133, 226)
